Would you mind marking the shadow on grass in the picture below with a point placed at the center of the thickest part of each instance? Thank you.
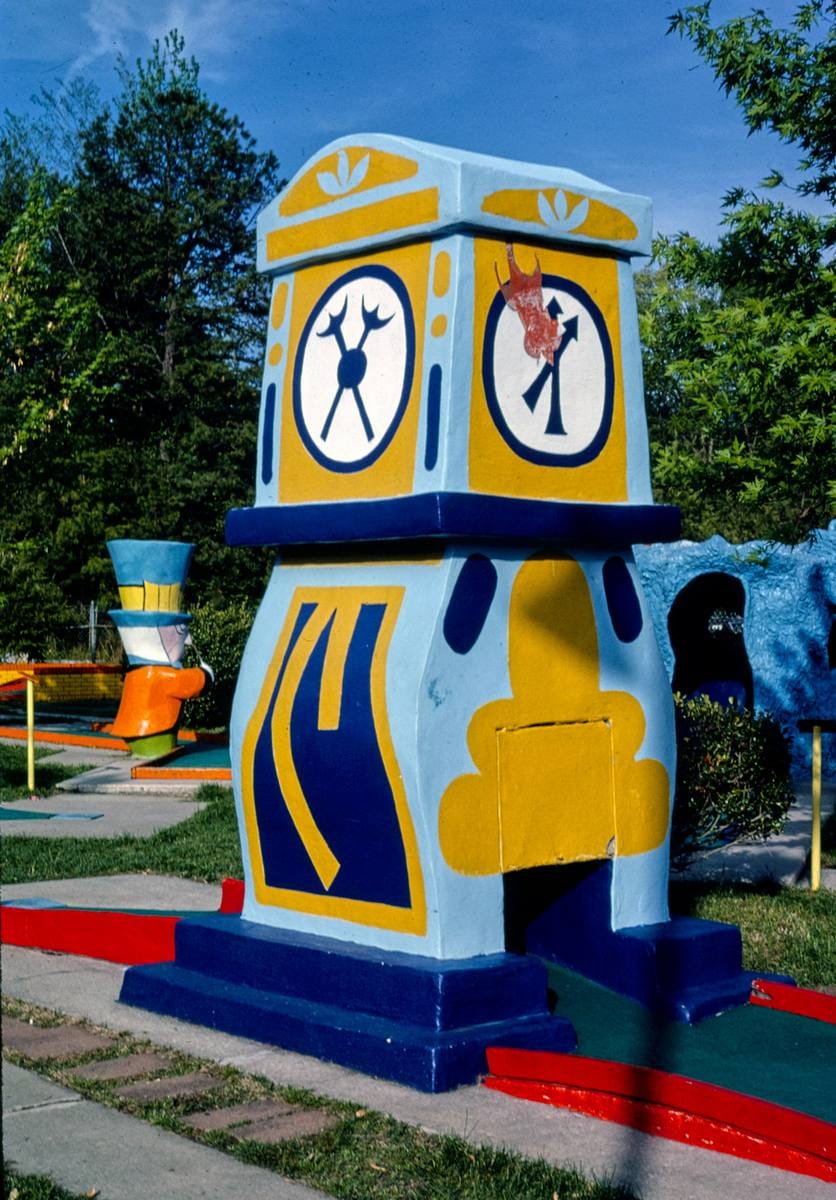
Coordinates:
(13, 774)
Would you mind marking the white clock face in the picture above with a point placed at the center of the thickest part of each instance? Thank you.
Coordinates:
(354, 368)
(559, 412)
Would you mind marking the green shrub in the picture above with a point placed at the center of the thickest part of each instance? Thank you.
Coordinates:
(732, 777)
(219, 635)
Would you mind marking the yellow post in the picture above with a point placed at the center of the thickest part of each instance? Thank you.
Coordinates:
(30, 734)
(815, 843)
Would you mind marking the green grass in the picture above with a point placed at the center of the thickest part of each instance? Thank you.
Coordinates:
(365, 1156)
(204, 847)
(786, 930)
(33, 1187)
(13, 773)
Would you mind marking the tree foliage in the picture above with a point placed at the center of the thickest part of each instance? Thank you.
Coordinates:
(739, 336)
(131, 336)
(783, 81)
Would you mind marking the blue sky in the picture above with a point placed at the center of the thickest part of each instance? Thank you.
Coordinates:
(595, 85)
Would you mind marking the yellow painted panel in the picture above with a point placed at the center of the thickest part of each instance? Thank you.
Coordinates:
(329, 602)
(132, 596)
(493, 466)
(554, 671)
(568, 768)
(277, 308)
(152, 597)
(601, 220)
(441, 273)
(275, 355)
(301, 478)
(439, 325)
(158, 597)
(399, 212)
(370, 169)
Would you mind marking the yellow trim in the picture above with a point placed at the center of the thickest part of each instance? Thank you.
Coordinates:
(333, 669)
(441, 274)
(277, 308)
(302, 479)
(601, 221)
(386, 216)
(324, 861)
(403, 920)
(382, 168)
(439, 325)
(494, 467)
(275, 355)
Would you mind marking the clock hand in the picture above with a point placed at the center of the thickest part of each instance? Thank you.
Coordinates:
(364, 416)
(371, 321)
(352, 365)
(332, 412)
(334, 327)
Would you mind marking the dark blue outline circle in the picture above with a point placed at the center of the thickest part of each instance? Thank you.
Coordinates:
(396, 283)
(543, 457)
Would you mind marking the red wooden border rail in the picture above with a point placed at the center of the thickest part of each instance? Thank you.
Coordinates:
(115, 936)
(785, 997)
(671, 1106)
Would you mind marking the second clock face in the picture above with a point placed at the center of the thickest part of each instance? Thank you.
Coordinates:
(555, 412)
(354, 367)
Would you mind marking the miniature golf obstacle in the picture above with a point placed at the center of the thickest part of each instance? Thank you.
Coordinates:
(151, 576)
(452, 737)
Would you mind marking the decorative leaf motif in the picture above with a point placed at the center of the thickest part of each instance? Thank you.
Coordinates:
(361, 170)
(557, 216)
(579, 213)
(560, 205)
(329, 183)
(344, 180)
(545, 209)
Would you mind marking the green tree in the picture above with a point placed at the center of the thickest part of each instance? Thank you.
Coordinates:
(129, 394)
(739, 336)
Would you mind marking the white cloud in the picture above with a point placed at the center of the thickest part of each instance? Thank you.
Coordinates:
(75, 38)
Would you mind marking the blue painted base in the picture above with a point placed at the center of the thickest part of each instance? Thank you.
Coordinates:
(423, 1022)
(457, 515)
(685, 969)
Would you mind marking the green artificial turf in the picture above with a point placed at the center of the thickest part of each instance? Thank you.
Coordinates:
(791, 931)
(773, 1055)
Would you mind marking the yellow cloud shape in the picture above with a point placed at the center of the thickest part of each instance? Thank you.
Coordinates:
(557, 776)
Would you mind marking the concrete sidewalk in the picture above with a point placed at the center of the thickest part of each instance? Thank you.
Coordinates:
(127, 806)
(118, 891)
(655, 1169)
(50, 1130)
(140, 816)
